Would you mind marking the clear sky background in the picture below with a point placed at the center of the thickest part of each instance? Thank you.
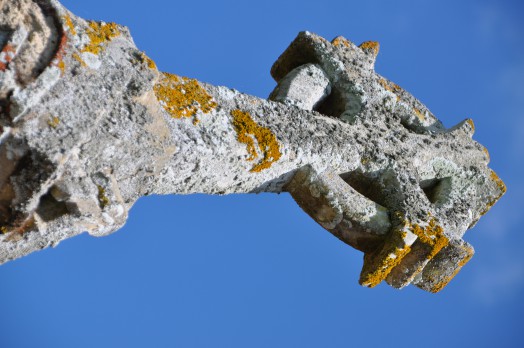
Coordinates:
(254, 270)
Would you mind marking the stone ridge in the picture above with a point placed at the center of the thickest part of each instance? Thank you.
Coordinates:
(88, 125)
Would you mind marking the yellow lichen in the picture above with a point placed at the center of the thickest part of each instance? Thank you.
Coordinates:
(53, 121)
(471, 124)
(440, 285)
(61, 66)
(502, 189)
(69, 24)
(3, 230)
(102, 198)
(391, 87)
(340, 40)
(99, 34)
(77, 57)
(419, 114)
(149, 62)
(378, 265)
(486, 153)
(432, 235)
(248, 131)
(370, 46)
(183, 97)
(500, 184)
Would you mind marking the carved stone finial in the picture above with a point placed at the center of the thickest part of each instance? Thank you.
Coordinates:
(88, 125)
(414, 193)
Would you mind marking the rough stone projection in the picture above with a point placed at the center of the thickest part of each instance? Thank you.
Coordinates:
(88, 125)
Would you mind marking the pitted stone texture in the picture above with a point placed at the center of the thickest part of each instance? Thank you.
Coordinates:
(94, 128)
(339, 208)
(432, 196)
(304, 87)
(438, 273)
(31, 34)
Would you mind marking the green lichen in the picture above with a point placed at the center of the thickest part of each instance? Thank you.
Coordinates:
(53, 121)
(103, 201)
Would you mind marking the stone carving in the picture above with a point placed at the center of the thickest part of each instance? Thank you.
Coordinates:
(88, 125)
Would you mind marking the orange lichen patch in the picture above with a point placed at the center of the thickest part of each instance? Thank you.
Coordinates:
(53, 121)
(502, 189)
(99, 35)
(498, 181)
(391, 87)
(419, 114)
(6, 56)
(61, 66)
(364, 160)
(182, 97)
(485, 150)
(69, 24)
(489, 205)
(378, 265)
(341, 41)
(471, 124)
(248, 131)
(77, 57)
(103, 201)
(432, 235)
(370, 46)
(440, 285)
(149, 62)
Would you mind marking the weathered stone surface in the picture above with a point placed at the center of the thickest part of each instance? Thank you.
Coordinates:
(88, 125)
(304, 87)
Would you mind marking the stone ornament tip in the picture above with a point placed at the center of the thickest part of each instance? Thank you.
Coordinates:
(419, 203)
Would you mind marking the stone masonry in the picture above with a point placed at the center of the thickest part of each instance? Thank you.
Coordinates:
(88, 125)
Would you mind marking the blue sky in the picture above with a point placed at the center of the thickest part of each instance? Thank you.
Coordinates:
(254, 270)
